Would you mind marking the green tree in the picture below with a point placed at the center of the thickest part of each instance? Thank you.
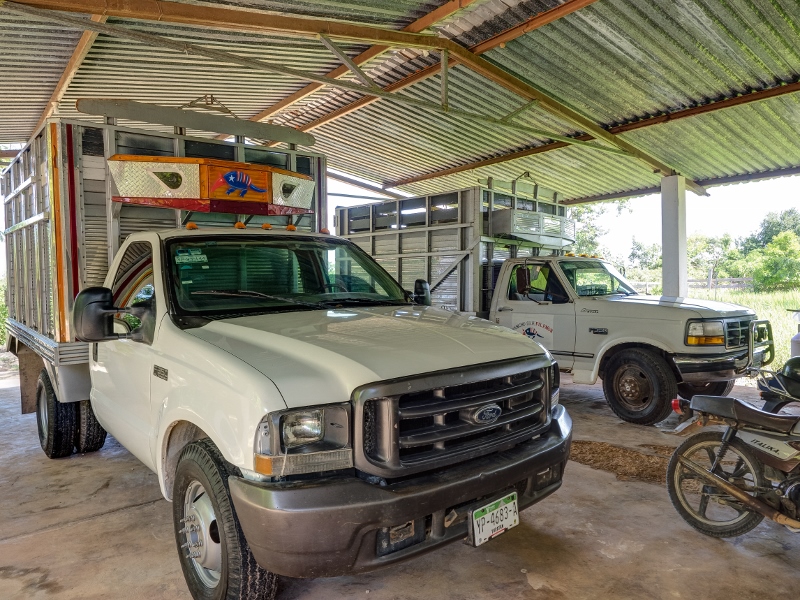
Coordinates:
(587, 231)
(645, 257)
(772, 225)
(711, 254)
(777, 266)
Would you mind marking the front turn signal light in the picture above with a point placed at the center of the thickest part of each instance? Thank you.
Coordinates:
(705, 340)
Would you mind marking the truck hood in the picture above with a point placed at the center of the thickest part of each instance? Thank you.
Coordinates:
(702, 308)
(321, 356)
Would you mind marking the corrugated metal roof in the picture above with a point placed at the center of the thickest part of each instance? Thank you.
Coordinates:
(616, 61)
(118, 68)
(393, 15)
(33, 55)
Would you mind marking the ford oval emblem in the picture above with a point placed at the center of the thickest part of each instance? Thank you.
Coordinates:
(486, 415)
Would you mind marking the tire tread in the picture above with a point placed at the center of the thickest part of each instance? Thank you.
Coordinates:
(250, 581)
(89, 435)
(667, 386)
(62, 421)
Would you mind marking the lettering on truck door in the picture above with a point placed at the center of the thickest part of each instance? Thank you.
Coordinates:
(535, 304)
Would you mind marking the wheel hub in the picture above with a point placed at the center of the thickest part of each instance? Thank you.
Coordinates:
(201, 534)
(633, 388)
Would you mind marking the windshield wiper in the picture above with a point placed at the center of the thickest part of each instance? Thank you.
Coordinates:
(254, 294)
(377, 302)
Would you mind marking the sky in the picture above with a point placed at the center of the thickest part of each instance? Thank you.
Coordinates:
(736, 209)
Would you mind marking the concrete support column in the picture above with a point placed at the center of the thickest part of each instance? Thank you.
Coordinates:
(673, 236)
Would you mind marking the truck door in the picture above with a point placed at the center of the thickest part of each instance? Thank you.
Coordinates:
(121, 369)
(532, 300)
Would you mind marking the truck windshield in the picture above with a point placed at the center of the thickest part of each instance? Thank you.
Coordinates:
(226, 276)
(595, 278)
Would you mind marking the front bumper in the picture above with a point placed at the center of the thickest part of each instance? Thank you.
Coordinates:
(699, 368)
(331, 527)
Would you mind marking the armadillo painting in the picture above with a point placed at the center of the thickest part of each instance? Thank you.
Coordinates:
(210, 185)
(236, 180)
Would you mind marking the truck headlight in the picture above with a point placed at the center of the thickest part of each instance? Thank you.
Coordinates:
(311, 440)
(705, 333)
(302, 428)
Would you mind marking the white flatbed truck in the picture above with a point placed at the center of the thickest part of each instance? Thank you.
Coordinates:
(305, 415)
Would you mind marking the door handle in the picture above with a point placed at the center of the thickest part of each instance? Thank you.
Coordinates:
(504, 308)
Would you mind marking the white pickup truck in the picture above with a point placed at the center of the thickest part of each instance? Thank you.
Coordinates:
(647, 349)
(498, 252)
(305, 414)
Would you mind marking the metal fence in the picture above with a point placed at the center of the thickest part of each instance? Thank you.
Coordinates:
(723, 283)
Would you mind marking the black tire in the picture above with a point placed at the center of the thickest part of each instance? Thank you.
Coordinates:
(90, 435)
(56, 422)
(218, 531)
(688, 391)
(639, 386)
(685, 488)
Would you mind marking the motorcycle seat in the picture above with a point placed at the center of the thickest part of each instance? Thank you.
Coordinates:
(743, 412)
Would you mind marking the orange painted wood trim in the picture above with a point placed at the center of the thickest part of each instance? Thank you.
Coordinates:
(55, 185)
(216, 162)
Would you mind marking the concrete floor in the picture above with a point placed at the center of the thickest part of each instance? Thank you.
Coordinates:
(95, 527)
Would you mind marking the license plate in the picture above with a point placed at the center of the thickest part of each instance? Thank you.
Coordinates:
(495, 518)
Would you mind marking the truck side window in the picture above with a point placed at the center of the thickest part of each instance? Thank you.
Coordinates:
(133, 282)
(543, 287)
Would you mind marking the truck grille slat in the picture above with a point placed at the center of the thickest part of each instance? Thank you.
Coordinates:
(434, 434)
(432, 408)
(736, 332)
(428, 422)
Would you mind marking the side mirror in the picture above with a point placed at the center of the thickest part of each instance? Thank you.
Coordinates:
(93, 316)
(422, 292)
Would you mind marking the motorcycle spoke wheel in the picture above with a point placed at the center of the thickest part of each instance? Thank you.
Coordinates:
(702, 504)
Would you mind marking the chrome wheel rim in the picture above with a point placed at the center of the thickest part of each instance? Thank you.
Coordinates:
(41, 411)
(707, 503)
(633, 387)
(201, 535)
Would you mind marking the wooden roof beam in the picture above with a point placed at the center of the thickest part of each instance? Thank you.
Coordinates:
(534, 22)
(73, 64)
(433, 17)
(214, 16)
(772, 92)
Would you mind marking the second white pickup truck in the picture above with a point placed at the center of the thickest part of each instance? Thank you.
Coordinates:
(499, 253)
(647, 349)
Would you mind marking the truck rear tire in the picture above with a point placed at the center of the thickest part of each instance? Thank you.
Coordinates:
(215, 557)
(688, 391)
(90, 435)
(639, 386)
(56, 422)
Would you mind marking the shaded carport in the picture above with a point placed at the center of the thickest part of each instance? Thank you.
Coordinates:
(598, 99)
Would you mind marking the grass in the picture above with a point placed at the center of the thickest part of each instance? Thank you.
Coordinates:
(768, 305)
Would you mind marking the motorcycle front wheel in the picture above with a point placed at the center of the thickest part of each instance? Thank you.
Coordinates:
(703, 505)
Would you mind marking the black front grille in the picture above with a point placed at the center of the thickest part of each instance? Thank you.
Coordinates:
(421, 428)
(737, 332)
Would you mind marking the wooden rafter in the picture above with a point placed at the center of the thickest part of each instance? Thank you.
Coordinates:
(73, 64)
(227, 18)
(433, 17)
(757, 96)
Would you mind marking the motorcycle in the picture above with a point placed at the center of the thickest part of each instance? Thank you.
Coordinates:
(723, 483)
